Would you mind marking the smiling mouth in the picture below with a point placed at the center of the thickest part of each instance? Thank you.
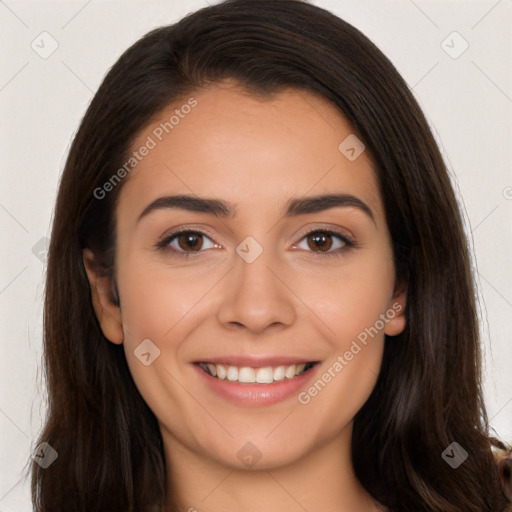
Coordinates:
(249, 375)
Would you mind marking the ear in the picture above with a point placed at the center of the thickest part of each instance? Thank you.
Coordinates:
(396, 310)
(105, 307)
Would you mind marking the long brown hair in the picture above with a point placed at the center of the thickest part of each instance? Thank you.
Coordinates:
(428, 394)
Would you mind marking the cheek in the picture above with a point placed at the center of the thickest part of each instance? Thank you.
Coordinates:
(156, 299)
(350, 304)
(160, 304)
(163, 305)
(341, 388)
(349, 299)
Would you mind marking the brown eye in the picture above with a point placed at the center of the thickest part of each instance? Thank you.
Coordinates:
(186, 242)
(190, 241)
(320, 241)
(326, 243)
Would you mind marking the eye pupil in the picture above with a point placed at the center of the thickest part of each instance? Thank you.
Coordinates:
(191, 240)
(320, 241)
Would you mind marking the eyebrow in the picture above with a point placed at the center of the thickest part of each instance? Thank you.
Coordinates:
(223, 209)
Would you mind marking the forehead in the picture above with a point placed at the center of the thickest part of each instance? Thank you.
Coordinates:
(249, 151)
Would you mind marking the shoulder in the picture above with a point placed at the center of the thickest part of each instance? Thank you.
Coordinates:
(503, 459)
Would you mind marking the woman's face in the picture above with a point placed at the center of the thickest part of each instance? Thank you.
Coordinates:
(265, 277)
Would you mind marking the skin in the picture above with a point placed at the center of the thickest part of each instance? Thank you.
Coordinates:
(292, 300)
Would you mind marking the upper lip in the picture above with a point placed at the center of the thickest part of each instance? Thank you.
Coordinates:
(255, 361)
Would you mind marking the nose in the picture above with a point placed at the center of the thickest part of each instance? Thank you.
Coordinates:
(257, 295)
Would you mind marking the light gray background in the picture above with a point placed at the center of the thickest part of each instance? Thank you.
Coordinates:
(468, 101)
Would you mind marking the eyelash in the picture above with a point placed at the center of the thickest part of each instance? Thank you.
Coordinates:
(163, 243)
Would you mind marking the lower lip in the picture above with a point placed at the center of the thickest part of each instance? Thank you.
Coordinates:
(255, 395)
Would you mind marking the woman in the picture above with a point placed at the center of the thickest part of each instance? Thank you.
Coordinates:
(259, 294)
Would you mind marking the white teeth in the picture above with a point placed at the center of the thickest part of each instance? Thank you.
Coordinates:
(265, 375)
(279, 373)
(290, 372)
(232, 373)
(221, 371)
(246, 374)
(212, 369)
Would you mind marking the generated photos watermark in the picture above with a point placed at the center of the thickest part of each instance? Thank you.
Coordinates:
(304, 397)
(150, 143)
